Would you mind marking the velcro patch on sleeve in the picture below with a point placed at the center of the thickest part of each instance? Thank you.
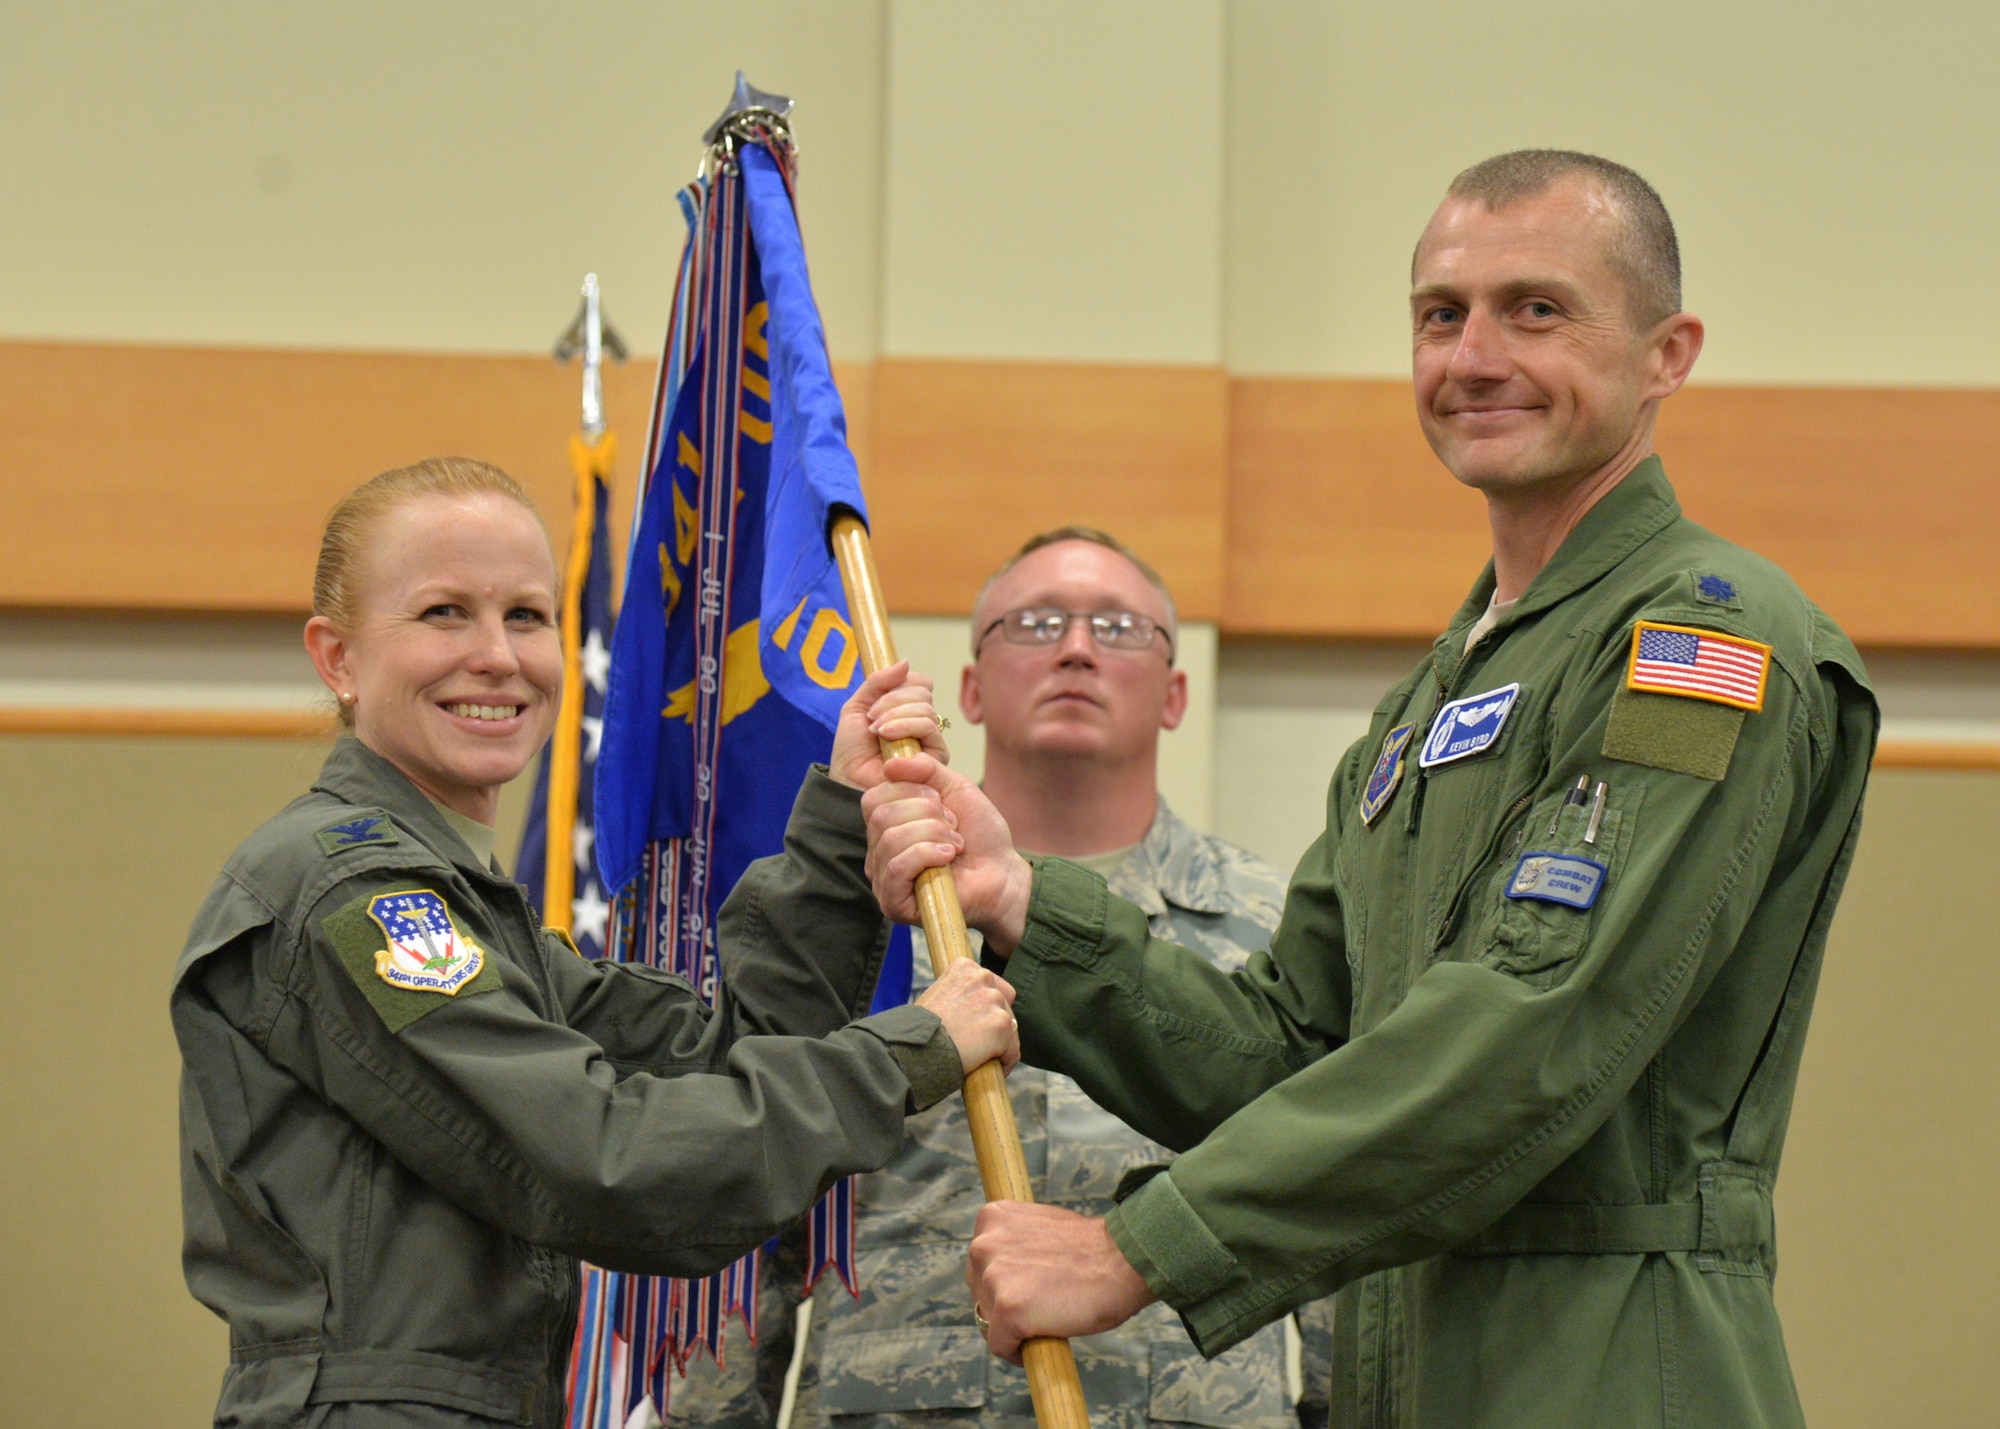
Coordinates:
(407, 954)
(1685, 736)
(1698, 664)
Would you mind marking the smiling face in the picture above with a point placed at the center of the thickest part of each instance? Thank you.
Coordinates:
(1530, 370)
(453, 660)
(1075, 698)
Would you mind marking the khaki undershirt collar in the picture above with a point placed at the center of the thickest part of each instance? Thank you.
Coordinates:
(478, 837)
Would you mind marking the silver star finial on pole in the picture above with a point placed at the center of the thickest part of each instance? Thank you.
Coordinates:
(591, 335)
(746, 100)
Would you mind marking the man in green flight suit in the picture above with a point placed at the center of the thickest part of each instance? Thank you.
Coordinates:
(1515, 1075)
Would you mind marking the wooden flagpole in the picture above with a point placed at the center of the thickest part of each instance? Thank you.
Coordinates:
(996, 1140)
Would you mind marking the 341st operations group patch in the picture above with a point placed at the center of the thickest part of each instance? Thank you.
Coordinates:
(426, 951)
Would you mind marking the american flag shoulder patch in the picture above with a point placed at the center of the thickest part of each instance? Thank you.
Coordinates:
(1700, 664)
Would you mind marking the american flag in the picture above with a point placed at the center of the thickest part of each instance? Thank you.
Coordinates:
(1675, 660)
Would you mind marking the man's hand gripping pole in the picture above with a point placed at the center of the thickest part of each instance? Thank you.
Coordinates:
(996, 1140)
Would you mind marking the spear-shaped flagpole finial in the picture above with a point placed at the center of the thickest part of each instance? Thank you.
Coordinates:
(748, 99)
(591, 335)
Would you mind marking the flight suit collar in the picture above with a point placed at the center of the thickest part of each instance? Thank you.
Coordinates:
(1629, 515)
(358, 775)
(1171, 865)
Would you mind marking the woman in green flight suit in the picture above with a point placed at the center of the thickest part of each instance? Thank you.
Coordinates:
(406, 1109)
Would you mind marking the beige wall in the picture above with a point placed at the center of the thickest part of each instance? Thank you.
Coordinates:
(1827, 166)
(1133, 181)
(1055, 180)
(414, 174)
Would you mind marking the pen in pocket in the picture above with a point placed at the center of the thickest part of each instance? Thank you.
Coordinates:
(1570, 800)
(1596, 813)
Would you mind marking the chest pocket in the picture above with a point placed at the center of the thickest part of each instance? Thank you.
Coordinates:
(1543, 898)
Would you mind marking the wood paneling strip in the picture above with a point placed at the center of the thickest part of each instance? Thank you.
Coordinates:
(197, 478)
(1883, 504)
(183, 723)
(1913, 754)
(1340, 519)
(157, 478)
(969, 459)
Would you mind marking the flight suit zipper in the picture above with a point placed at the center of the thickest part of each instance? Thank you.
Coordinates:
(1449, 925)
(1415, 818)
(1464, 893)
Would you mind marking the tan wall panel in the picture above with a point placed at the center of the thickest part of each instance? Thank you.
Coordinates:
(970, 458)
(1886, 1251)
(111, 846)
(1013, 227)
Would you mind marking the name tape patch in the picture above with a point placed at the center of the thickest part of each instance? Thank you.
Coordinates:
(1699, 664)
(1388, 772)
(426, 951)
(1557, 878)
(1469, 726)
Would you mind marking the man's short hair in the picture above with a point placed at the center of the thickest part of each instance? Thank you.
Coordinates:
(1647, 251)
(1096, 538)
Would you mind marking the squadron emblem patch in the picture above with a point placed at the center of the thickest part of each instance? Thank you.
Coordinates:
(426, 951)
(1469, 726)
(1387, 774)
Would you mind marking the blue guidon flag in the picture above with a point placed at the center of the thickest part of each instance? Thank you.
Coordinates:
(426, 952)
(730, 660)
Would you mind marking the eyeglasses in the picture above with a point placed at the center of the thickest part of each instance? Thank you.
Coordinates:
(1045, 625)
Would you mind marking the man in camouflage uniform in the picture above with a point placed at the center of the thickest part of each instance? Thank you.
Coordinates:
(1073, 679)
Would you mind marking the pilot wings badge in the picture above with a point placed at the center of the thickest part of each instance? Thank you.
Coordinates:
(1469, 726)
(426, 952)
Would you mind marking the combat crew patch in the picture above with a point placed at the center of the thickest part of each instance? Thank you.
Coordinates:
(370, 829)
(407, 954)
(1549, 877)
(1387, 774)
